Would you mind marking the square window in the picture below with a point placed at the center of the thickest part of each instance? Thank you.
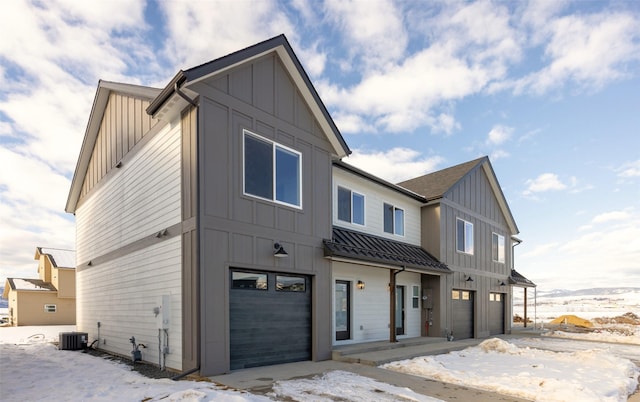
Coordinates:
(272, 171)
(464, 236)
(497, 247)
(350, 206)
(286, 283)
(455, 294)
(393, 219)
(50, 308)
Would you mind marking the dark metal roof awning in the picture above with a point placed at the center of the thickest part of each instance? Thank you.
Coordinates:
(361, 246)
(518, 279)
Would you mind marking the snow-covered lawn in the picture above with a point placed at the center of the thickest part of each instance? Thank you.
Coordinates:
(529, 373)
(34, 369)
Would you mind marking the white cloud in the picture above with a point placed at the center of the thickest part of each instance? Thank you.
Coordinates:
(394, 165)
(631, 169)
(612, 216)
(499, 134)
(544, 182)
(588, 50)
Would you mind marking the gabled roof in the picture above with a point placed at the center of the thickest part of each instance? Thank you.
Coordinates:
(174, 95)
(436, 185)
(362, 246)
(60, 258)
(30, 284)
(518, 279)
(93, 127)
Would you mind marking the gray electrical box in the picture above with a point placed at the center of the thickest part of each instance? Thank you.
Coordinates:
(427, 298)
(163, 312)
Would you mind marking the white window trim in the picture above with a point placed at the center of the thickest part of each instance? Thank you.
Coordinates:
(364, 205)
(465, 237)
(504, 250)
(404, 219)
(48, 309)
(274, 146)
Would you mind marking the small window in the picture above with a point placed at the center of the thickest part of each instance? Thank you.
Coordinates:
(415, 296)
(50, 308)
(466, 295)
(248, 280)
(350, 206)
(393, 220)
(455, 294)
(272, 171)
(464, 236)
(492, 297)
(286, 283)
(497, 247)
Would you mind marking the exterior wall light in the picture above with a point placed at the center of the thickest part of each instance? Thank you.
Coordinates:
(501, 283)
(468, 278)
(360, 285)
(279, 251)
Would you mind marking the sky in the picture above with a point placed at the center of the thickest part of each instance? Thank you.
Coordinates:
(549, 90)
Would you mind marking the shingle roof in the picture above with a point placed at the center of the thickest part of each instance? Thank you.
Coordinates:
(434, 185)
(519, 280)
(361, 246)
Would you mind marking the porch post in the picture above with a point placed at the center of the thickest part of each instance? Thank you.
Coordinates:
(392, 304)
(525, 307)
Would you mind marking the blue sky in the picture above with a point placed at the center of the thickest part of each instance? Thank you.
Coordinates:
(550, 90)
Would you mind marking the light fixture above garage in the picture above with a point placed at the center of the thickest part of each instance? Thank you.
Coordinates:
(360, 285)
(501, 283)
(279, 251)
(468, 278)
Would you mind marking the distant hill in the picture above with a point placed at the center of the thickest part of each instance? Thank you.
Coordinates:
(587, 292)
(3, 302)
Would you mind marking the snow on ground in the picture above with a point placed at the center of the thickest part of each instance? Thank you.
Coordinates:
(33, 369)
(536, 374)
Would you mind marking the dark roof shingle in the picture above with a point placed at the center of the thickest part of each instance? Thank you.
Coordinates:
(518, 279)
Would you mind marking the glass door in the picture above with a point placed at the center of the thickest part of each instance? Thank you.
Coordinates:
(399, 310)
(343, 310)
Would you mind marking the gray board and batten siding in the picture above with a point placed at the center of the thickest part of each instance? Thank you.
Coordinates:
(238, 230)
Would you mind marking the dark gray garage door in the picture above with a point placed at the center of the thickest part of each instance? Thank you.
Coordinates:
(496, 313)
(462, 314)
(270, 318)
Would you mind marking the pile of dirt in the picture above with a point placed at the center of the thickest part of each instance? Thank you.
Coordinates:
(626, 318)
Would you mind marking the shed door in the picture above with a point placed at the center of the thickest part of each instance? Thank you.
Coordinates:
(496, 313)
(269, 318)
(462, 305)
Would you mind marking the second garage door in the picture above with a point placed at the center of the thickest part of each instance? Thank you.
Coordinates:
(462, 305)
(269, 318)
(496, 313)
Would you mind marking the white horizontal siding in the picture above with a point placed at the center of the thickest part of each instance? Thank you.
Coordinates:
(142, 198)
(121, 295)
(375, 196)
(370, 306)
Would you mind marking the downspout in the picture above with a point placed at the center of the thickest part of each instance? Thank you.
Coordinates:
(513, 266)
(392, 309)
(183, 95)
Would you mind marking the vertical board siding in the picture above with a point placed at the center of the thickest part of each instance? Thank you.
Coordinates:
(121, 295)
(142, 198)
(375, 196)
(124, 123)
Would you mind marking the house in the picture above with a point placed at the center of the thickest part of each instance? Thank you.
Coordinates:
(467, 225)
(218, 225)
(48, 300)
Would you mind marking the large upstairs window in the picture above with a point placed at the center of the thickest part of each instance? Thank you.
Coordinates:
(350, 206)
(393, 219)
(272, 171)
(464, 236)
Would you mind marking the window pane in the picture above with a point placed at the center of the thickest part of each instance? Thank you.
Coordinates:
(287, 176)
(358, 208)
(399, 222)
(388, 218)
(248, 280)
(344, 204)
(455, 294)
(258, 167)
(500, 248)
(465, 295)
(460, 235)
(290, 283)
(468, 238)
(494, 247)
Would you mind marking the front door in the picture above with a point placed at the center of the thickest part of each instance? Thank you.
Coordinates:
(343, 310)
(399, 310)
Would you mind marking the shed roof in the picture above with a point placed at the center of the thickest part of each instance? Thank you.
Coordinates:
(60, 258)
(362, 246)
(518, 279)
(30, 284)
